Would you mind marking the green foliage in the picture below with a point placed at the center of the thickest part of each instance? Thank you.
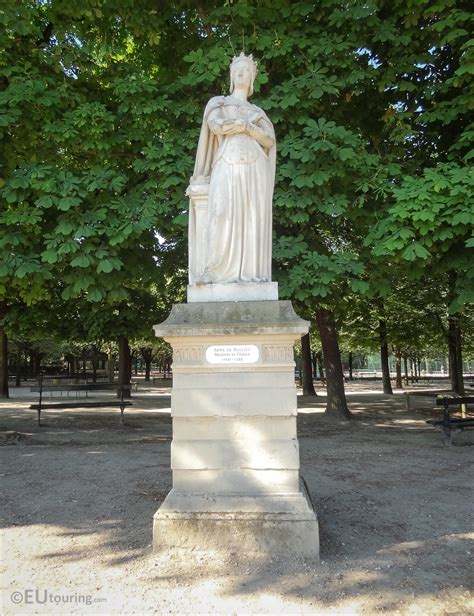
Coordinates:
(100, 108)
(431, 222)
(86, 156)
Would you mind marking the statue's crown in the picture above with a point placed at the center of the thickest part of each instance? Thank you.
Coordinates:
(244, 58)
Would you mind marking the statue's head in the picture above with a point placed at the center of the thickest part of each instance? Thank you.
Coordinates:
(243, 71)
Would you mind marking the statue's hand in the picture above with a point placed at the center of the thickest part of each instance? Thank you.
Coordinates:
(234, 127)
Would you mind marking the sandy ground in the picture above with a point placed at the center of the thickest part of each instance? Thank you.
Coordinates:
(395, 508)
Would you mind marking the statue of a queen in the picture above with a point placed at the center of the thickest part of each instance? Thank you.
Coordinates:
(236, 158)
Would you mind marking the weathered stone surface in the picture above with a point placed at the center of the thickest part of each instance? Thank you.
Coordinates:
(232, 292)
(214, 454)
(297, 504)
(242, 401)
(251, 429)
(231, 379)
(232, 318)
(264, 533)
(234, 455)
(277, 525)
(237, 481)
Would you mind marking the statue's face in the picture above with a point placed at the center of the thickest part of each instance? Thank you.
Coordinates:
(242, 75)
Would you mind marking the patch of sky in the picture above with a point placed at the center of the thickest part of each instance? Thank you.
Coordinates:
(373, 60)
(160, 238)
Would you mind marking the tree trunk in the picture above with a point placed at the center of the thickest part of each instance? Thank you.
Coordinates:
(307, 368)
(75, 369)
(298, 362)
(94, 367)
(319, 357)
(455, 355)
(134, 363)
(387, 385)
(19, 362)
(4, 392)
(37, 356)
(398, 357)
(147, 355)
(111, 367)
(124, 364)
(314, 362)
(454, 341)
(25, 364)
(350, 365)
(336, 398)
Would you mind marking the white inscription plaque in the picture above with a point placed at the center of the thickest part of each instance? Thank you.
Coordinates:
(232, 354)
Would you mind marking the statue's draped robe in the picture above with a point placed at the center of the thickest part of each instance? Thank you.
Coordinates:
(241, 168)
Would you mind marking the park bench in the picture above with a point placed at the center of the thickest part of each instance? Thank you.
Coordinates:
(422, 399)
(364, 374)
(51, 403)
(76, 388)
(156, 378)
(449, 424)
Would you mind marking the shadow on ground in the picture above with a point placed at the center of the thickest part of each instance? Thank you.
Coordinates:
(394, 506)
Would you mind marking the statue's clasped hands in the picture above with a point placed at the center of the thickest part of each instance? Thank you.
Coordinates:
(235, 127)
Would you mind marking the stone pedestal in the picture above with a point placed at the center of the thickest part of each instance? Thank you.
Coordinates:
(234, 455)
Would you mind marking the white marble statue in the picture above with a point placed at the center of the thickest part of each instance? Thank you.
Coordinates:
(230, 240)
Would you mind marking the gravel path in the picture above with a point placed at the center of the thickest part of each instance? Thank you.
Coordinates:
(79, 494)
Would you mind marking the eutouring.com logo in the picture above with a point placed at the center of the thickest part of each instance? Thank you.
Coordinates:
(38, 596)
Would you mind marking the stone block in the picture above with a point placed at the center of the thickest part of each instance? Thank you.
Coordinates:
(260, 534)
(225, 402)
(278, 525)
(233, 292)
(254, 429)
(232, 454)
(296, 504)
(236, 481)
(232, 379)
(229, 319)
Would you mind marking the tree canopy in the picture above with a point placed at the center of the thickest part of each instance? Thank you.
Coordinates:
(100, 107)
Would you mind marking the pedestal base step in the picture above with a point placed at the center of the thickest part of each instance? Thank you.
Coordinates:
(277, 525)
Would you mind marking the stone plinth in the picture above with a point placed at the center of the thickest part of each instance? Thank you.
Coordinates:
(232, 292)
(234, 455)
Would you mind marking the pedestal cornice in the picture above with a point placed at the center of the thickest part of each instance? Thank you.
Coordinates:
(232, 318)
